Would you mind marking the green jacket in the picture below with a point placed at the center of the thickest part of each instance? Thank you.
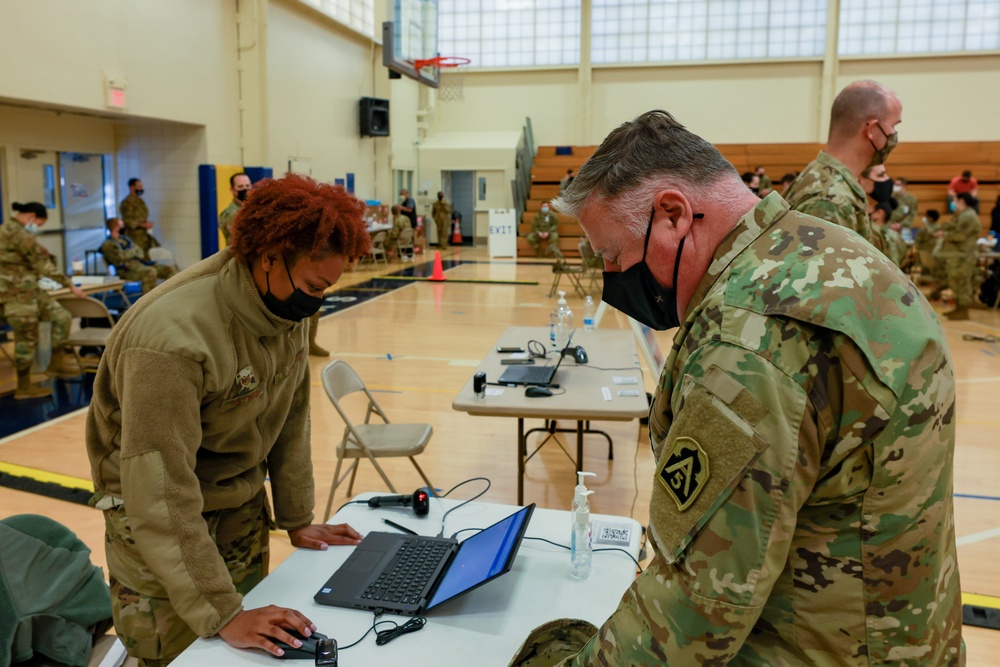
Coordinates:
(961, 233)
(23, 260)
(906, 211)
(828, 190)
(134, 211)
(51, 596)
(200, 395)
(123, 254)
(227, 216)
(545, 222)
(803, 432)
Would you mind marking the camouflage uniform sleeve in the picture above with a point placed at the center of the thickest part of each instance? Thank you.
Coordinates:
(40, 260)
(738, 461)
(113, 253)
(839, 213)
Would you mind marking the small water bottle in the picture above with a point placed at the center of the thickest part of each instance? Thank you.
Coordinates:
(589, 310)
(560, 324)
(581, 548)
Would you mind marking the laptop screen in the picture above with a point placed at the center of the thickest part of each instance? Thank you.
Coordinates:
(484, 556)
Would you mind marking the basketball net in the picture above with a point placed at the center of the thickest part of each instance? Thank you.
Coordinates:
(451, 76)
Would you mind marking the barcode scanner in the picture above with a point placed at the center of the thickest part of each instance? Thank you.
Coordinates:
(419, 500)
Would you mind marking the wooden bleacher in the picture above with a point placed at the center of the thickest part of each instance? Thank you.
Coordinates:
(928, 166)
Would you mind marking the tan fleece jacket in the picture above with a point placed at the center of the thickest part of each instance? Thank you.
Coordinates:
(200, 394)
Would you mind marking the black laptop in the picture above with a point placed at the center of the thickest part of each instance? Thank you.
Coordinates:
(534, 375)
(409, 574)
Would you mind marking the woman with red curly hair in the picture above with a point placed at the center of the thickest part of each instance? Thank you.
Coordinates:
(202, 393)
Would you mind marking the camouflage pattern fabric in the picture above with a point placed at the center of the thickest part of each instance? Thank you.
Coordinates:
(906, 211)
(441, 212)
(553, 642)
(144, 618)
(958, 254)
(898, 250)
(807, 394)
(226, 218)
(399, 223)
(828, 190)
(927, 244)
(23, 304)
(545, 222)
(126, 257)
(135, 212)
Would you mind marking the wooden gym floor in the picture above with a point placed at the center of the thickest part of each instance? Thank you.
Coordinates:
(417, 345)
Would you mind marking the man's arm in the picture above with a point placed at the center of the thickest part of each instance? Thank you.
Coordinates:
(719, 558)
(40, 260)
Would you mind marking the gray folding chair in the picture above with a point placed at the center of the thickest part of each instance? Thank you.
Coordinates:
(88, 308)
(378, 252)
(369, 440)
(404, 245)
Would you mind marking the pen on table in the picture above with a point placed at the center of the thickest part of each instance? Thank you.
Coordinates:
(399, 527)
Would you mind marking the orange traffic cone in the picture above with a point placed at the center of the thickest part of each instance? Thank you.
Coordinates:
(438, 274)
(456, 233)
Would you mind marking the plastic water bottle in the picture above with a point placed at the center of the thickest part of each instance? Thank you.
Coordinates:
(581, 552)
(589, 310)
(560, 324)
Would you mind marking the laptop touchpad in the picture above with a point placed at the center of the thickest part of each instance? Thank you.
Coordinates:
(365, 561)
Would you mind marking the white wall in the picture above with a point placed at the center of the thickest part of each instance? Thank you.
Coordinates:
(317, 72)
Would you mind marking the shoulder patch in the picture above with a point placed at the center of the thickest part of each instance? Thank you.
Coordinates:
(245, 381)
(684, 472)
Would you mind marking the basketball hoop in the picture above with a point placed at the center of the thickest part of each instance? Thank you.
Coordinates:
(452, 76)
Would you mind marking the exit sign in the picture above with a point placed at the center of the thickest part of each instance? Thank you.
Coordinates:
(115, 98)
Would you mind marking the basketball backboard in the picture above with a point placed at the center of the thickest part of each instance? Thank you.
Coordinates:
(412, 35)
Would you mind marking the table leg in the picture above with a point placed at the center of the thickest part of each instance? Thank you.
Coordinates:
(522, 448)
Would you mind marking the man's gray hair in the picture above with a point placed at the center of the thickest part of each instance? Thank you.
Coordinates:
(857, 104)
(642, 157)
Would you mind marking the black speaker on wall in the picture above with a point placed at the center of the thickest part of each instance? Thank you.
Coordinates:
(374, 117)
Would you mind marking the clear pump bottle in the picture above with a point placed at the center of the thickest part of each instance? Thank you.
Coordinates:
(581, 548)
(560, 324)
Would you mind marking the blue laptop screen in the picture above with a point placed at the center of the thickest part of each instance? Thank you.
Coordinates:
(481, 557)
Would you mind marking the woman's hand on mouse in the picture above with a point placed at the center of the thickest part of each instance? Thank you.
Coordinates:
(254, 628)
(321, 535)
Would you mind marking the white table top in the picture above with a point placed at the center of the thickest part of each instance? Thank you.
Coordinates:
(485, 626)
(583, 398)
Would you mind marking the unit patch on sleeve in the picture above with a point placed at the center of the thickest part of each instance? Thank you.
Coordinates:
(684, 472)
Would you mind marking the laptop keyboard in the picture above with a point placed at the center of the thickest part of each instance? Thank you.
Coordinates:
(406, 577)
(536, 374)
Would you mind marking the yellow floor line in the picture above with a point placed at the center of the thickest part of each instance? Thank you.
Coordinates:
(45, 476)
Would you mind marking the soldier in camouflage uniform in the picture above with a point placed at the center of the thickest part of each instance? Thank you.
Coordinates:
(135, 214)
(808, 392)
(862, 134)
(399, 223)
(23, 304)
(958, 254)
(545, 227)
(893, 245)
(239, 185)
(906, 212)
(927, 242)
(203, 394)
(441, 212)
(126, 257)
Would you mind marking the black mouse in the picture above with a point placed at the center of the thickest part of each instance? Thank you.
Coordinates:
(537, 392)
(305, 652)
(580, 355)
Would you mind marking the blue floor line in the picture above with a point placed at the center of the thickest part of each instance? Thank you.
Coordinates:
(975, 497)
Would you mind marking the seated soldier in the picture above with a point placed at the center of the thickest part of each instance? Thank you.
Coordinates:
(544, 228)
(399, 223)
(120, 252)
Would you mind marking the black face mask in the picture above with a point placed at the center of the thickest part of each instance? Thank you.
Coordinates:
(242, 194)
(297, 307)
(140, 192)
(756, 191)
(636, 292)
(882, 192)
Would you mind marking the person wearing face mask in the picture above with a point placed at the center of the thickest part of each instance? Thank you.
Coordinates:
(752, 181)
(202, 394)
(239, 185)
(787, 455)
(441, 212)
(958, 253)
(906, 212)
(23, 260)
(119, 251)
(927, 242)
(765, 185)
(135, 215)
(877, 185)
(545, 229)
(863, 124)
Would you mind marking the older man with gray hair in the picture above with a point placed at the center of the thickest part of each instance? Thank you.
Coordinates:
(793, 514)
(863, 124)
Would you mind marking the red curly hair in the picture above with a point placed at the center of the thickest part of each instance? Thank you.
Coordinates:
(299, 216)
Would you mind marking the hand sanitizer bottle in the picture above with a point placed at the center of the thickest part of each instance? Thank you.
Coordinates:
(581, 549)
